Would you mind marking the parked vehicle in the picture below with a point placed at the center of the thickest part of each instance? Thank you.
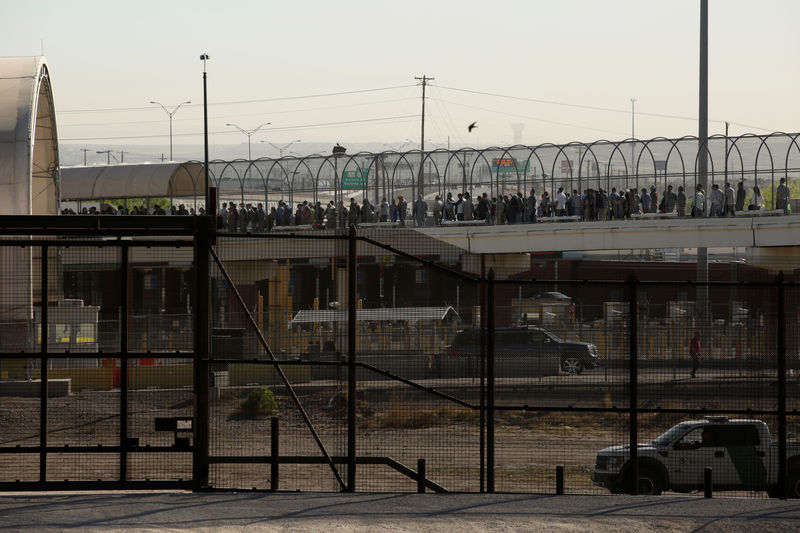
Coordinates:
(740, 453)
(521, 351)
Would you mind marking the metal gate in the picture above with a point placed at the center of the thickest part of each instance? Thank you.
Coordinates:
(87, 399)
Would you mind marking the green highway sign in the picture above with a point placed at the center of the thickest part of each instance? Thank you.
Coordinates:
(510, 164)
(355, 179)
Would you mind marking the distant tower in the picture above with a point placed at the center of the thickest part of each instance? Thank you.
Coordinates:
(517, 128)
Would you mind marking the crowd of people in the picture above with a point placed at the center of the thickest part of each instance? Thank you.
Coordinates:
(108, 209)
(513, 208)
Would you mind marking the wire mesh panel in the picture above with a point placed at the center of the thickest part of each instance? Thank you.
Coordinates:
(533, 445)
(257, 286)
(560, 386)
(399, 425)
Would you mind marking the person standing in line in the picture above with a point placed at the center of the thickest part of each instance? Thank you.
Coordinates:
(699, 203)
(717, 199)
(681, 202)
(730, 201)
(544, 205)
(561, 202)
(612, 203)
(645, 199)
(694, 353)
(653, 199)
(532, 201)
(782, 196)
(756, 200)
(402, 210)
(500, 210)
(419, 210)
(383, 211)
(602, 205)
(588, 206)
(468, 207)
(741, 195)
(577, 203)
(670, 199)
(483, 208)
(449, 207)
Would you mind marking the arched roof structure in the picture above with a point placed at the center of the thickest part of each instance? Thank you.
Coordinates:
(137, 180)
(29, 166)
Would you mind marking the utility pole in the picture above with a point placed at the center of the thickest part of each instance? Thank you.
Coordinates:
(420, 179)
(84, 150)
(122, 156)
(702, 161)
(108, 155)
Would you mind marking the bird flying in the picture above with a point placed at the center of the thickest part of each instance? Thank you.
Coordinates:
(472, 126)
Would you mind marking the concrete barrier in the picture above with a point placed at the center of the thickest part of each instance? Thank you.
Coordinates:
(30, 389)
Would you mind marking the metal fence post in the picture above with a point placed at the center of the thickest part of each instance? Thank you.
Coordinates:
(633, 399)
(44, 336)
(275, 452)
(560, 480)
(781, 355)
(490, 383)
(482, 375)
(352, 305)
(202, 337)
(123, 364)
(421, 475)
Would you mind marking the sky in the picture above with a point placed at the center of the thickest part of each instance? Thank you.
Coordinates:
(323, 72)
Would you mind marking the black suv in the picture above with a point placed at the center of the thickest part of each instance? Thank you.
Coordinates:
(518, 352)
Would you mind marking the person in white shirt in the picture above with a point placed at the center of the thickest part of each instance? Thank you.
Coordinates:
(561, 202)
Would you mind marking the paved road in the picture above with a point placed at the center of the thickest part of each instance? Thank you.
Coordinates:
(228, 512)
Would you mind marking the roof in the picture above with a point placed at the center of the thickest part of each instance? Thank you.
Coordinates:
(381, 314)
(139, 180)
(28, 140)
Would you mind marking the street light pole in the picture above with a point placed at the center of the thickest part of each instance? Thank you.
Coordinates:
(633, 136)
(281, 149)
(210, 210)
(171, 114)
(249, 134)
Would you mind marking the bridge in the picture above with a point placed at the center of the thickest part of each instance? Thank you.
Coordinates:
(686, 232)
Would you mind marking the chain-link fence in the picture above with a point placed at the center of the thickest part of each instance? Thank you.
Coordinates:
(387, 360)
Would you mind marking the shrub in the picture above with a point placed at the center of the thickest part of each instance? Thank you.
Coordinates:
(259, 402)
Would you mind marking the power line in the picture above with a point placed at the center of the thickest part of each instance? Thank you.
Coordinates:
(287, 111)
(593, 108)
(517, 115)
(228, 132)
(237, 102)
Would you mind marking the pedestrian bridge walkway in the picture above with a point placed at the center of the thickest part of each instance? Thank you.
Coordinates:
(622, 234)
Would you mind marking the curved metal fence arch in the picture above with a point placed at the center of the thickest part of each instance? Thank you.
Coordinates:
(659, 161)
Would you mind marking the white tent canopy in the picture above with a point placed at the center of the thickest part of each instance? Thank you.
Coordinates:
(139, 180)
(380, 314)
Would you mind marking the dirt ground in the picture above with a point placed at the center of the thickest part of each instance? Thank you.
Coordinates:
(403, 426)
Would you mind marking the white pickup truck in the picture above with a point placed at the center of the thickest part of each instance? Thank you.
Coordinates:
(740, 453)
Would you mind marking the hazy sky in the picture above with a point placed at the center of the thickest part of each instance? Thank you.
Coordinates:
(270, 59)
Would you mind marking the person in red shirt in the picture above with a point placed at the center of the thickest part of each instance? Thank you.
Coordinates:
(694, 352)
